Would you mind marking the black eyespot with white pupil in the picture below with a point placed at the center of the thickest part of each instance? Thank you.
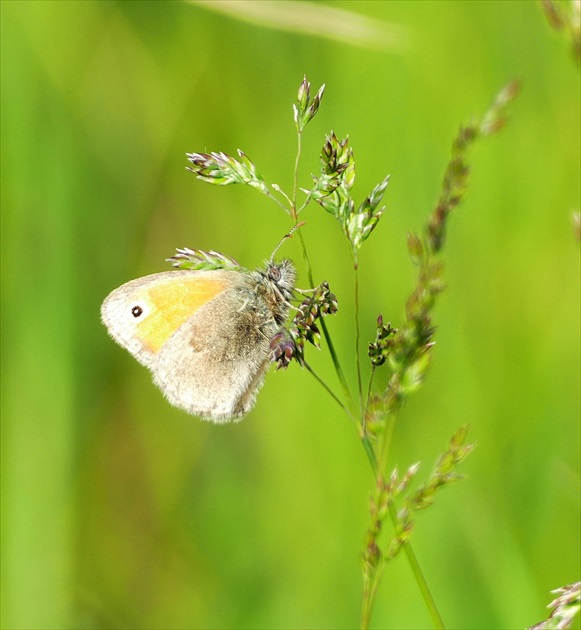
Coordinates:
(137, 311)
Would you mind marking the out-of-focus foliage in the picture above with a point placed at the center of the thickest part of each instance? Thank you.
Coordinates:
(120, 511)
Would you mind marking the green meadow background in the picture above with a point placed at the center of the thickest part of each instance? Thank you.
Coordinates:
(119, 511)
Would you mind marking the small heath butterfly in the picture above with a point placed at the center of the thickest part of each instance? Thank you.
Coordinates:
(205, 335)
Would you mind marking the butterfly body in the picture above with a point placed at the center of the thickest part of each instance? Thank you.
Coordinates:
(205, 335)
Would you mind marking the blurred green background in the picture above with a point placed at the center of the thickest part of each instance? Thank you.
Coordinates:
(119, 511)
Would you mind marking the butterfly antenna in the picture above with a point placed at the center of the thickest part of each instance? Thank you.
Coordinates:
(283, 239)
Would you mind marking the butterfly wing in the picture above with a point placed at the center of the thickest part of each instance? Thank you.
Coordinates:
(143, 314)
(214, 365)
(205, 336)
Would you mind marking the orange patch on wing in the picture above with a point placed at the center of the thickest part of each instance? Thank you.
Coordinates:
(172, 304)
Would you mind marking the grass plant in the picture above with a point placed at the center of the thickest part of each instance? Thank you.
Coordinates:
(399, 357)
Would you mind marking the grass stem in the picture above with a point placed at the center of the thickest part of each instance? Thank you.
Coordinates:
(421, 581)
(357, 337)
(294, 213)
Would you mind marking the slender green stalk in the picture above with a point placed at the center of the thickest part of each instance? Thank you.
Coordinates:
(294, 214)
(370, 589)
(371, 592)
(421, 580)
(367, 397)
(357, 337)
(337, 365)
(306, 259)
(366, 603)
(369, 451)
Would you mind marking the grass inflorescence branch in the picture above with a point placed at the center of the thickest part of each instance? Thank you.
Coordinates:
(196, 259)
(564, 608)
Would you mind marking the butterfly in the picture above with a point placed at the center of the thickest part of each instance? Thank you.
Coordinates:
(204, 334)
